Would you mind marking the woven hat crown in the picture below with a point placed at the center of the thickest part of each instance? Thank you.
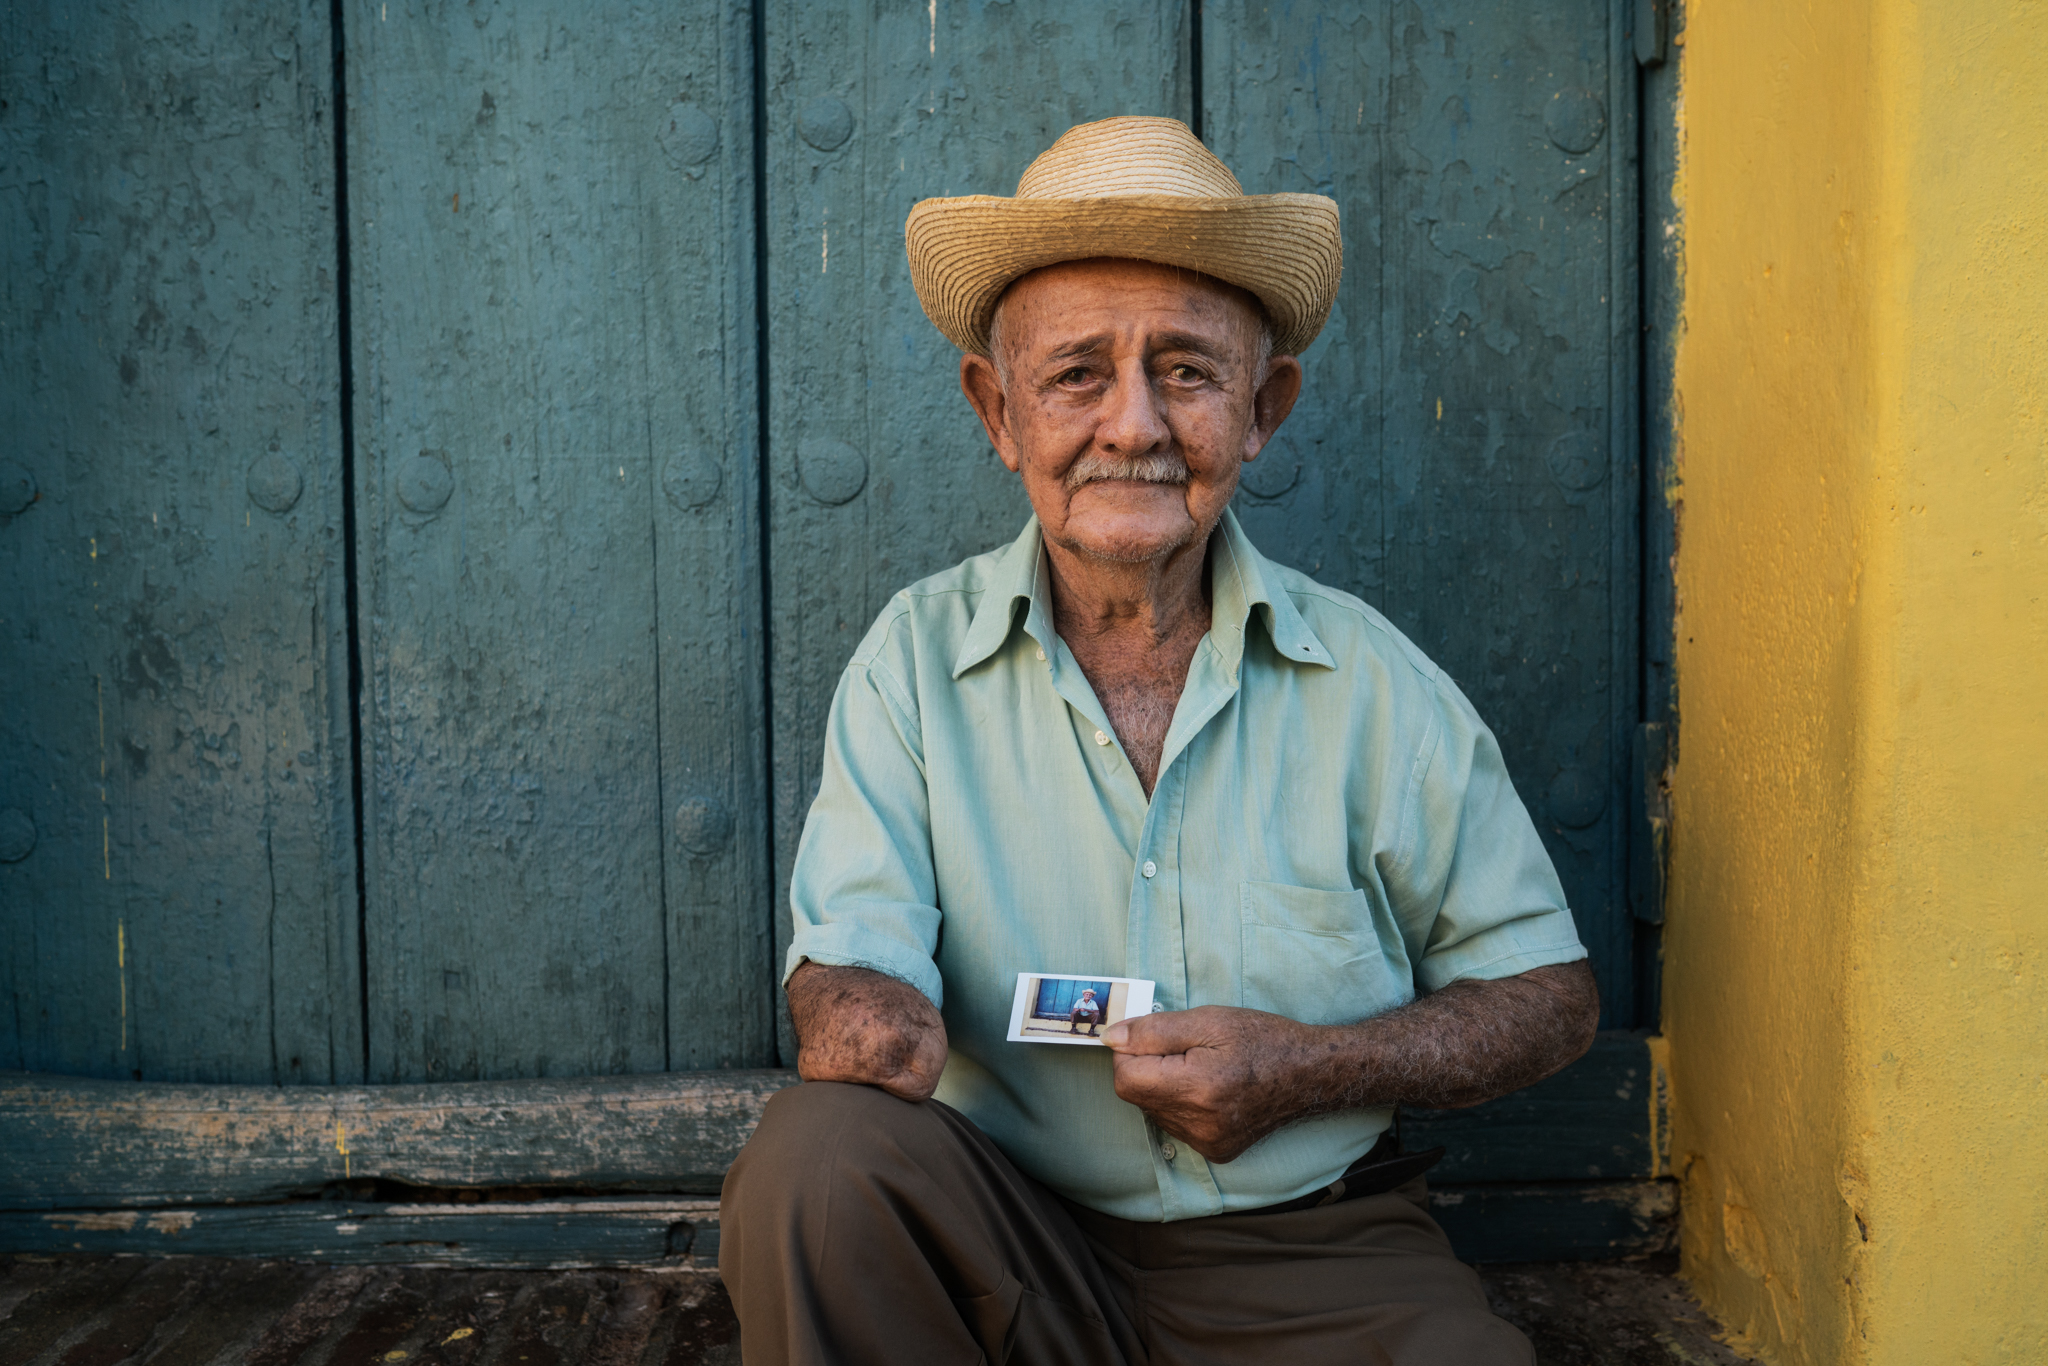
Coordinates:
(1145, 189)
(1128, 156)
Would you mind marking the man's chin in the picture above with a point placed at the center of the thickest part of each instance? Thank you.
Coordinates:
(1119, 541)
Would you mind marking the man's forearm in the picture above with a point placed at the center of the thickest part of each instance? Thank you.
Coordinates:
(1467, 1043)
(1223, 1078)
(858, 1025)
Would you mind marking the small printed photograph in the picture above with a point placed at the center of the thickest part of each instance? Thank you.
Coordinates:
(1053, 1008)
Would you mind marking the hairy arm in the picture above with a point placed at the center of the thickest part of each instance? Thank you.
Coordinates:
(858, 1025)
(1220, 1079)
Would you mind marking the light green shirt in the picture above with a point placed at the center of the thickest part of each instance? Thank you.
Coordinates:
(1332, 830)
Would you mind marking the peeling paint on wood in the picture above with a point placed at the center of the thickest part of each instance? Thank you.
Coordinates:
(559, 538)
(73, 1143)
(179, 900)
(649, 1232)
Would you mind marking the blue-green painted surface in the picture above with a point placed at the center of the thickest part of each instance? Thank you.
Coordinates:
(552, 273)
(579, 747)
(177, 897)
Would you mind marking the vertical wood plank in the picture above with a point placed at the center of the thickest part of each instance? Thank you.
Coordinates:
(1464, 456)
(177, 893)
(555, 376)
(878, 471)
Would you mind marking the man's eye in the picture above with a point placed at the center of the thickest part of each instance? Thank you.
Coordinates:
(1186, 374)
(1074, 376)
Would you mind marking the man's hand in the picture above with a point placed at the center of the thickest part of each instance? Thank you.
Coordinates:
(1217, 1078)
(1220, 1079)
(853, 1024)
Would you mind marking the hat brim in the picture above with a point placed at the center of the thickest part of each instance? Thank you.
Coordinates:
(1286, 249)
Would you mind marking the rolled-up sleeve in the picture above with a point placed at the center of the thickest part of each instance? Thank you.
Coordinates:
(1477, 892)
(863, 893)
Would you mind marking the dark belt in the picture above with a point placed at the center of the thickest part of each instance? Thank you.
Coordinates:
(1378, 1172)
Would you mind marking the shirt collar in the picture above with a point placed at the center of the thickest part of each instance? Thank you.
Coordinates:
(1240, 579)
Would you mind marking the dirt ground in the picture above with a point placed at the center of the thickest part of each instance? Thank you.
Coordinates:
(202, 1311)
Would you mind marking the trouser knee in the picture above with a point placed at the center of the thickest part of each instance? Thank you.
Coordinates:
(813, 1133)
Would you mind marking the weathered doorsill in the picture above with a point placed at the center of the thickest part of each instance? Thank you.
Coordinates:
(625, 1171)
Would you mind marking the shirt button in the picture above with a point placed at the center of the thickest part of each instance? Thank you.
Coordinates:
(1100, 738)
(1041, 653)
(1151, 868)
(1168, 1151)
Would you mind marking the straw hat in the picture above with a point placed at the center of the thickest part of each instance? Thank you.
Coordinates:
(1145, 189)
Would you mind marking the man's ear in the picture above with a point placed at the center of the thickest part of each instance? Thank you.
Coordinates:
(984, 389)
(1272, 402)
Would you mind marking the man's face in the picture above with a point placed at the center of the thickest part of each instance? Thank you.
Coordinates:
(1127, 395)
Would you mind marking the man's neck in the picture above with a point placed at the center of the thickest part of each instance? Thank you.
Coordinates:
(1133, 629)
(1148, 601)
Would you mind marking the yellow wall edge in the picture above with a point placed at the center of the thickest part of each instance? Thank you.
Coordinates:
(1857, 1023)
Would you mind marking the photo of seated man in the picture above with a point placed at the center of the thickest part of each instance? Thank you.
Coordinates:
(1085, 1009)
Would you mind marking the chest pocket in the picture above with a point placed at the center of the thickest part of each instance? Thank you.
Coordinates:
(1316, 957)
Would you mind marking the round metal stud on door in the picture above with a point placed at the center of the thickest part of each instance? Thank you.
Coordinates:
(831, 471)
(826, 123)
(1575, 119)
(692, 480)
(425, 482)
(1577, 797)
(703, 825)
(17, 488)
(1275, 471)
(17, 835)
(274, 483)
(1577, 460)
(688, 135)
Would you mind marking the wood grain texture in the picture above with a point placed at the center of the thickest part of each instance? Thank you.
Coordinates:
(644, 1232)
(1590, 1121)
(555, 397)
(74, 1143)
(878, 470)
(1464, 454)
(177, 892)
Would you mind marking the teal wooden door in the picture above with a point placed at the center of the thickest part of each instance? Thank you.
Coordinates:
(552, 265)
(431, 527)
(177, 876)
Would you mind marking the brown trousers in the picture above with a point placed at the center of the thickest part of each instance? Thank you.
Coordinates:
(861, 1228)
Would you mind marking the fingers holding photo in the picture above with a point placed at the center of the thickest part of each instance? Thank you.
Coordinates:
(1217, 1077)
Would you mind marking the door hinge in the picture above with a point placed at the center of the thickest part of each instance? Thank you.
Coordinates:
(1652, 31)
(1649, 841)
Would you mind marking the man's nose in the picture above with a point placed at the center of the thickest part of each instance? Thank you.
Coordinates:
(1134, 423)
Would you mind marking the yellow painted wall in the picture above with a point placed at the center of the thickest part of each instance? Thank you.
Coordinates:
(1857, 938)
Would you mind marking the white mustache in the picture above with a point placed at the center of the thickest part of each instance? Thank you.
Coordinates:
(1165, 468)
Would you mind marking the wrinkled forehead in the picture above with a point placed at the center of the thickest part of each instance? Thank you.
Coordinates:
(1076, 292)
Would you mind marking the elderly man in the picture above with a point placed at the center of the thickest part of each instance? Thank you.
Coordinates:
(1084, 1009)
(1128, 744)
